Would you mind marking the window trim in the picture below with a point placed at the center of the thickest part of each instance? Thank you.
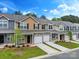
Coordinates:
(23, 25)
(3, 22)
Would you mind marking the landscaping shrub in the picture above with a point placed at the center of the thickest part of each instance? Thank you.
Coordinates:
(6, 45)
(13, 45)
(18, 46)
(9, 46)
(23, 45)
(27, 45)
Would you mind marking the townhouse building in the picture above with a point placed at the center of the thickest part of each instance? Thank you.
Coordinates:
(35, 30)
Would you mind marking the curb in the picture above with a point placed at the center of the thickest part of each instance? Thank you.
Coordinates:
(49, 55)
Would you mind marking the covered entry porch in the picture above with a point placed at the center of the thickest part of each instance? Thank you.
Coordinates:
(27, 39)
(5, 38)
(2, 38)
(58, 37)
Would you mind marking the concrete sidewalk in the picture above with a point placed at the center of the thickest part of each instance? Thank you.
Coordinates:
(2, 45)
(57, 46)
(47, 49)
(77, 42)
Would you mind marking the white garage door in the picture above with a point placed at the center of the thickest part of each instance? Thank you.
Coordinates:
(38, 39)
(74, 37)
(46, 38)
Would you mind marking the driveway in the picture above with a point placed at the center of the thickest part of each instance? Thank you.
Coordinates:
(47, 49)
(70, 55)
(57, 46)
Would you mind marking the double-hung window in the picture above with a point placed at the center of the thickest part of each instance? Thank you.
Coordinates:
(23, 26)
(3, 24)
(43, 26)
(50, 27)
(36, 26)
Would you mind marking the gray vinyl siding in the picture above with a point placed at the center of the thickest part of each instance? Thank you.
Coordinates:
(10, 24)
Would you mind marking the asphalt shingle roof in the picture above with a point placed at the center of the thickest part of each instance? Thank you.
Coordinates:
(40, 20)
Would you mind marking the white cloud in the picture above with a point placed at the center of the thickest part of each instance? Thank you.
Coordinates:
(66, 8)
(4, 9)
(9, 5)
(45, 10)
(54, 11)
(24, 13)
(50, 17)
(51, 11)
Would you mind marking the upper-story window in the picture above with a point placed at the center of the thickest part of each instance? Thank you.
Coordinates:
(71, 28)
(23, 26)
(36, 26)
(50, 26)
(3, 23)
(43, 26)
(75, 28)
(27, 25)
(66, 28)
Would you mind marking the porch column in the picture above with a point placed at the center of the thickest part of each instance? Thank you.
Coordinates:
(25, 38)
(32, 39)
(50, 39)
(5, 41)
(58, 37)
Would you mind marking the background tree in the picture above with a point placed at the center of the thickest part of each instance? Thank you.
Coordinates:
(31, 14)
(17, 13)
(70, 35)
(17, 37)
(43, 17)
(56, 19)
(70, 18)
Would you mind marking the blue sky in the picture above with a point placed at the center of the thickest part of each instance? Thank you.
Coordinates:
(49, 8)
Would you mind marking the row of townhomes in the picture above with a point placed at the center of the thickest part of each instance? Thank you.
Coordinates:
(36, 30)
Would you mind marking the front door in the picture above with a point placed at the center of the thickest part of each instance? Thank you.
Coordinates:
(62, 37)
(1, 38)
(29, 38)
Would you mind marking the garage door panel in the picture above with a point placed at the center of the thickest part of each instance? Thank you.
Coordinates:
(38, 39)
(46, 38)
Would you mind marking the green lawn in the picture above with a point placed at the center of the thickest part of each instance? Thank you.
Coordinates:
(20, 53)
(67, 44)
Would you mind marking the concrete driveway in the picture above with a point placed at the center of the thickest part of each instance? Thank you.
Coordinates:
(47, 49)
(57, 46)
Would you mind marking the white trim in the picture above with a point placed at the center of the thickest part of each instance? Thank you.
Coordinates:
(4, 17)
(29, 17)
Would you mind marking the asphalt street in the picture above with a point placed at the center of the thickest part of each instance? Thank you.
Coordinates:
(70, 55)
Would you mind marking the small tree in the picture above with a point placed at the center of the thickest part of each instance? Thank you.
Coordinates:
(17, 37)
(70, 35)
